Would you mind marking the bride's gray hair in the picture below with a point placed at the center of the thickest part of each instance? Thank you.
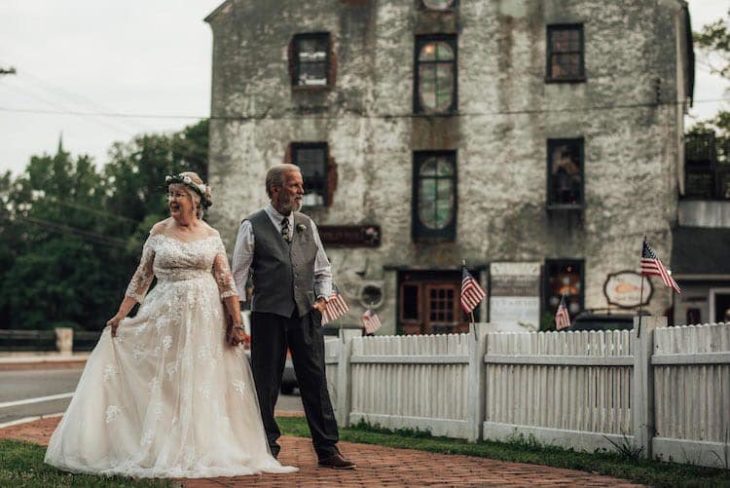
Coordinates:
(275, 175)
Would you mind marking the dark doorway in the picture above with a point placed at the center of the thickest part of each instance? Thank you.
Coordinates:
(722, 307)
(429, 303)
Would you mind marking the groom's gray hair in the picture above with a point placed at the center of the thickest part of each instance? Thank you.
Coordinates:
(275, 175)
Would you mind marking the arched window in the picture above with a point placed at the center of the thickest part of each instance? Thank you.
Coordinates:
(434, 212)
(435, 84)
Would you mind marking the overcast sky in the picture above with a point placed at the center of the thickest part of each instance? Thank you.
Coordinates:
(138, 57)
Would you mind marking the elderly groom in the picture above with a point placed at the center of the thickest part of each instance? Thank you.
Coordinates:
(291, 280)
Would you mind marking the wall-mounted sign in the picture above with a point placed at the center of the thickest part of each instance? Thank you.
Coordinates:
(350, 235)
(514, 295)
(624, 289)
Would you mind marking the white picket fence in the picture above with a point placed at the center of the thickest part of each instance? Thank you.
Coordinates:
(585, 390)
(692, 394)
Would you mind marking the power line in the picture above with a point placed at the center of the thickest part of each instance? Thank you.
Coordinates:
(66, 229)
(265, 116)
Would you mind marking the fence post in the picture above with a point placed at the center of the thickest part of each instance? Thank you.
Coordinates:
(476, 382)
(64, 340)
(642, 406)
(344, 381)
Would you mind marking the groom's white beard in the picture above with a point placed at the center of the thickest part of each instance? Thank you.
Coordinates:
(290, 205)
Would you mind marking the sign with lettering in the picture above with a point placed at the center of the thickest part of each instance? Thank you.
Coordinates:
(514, 295)
(350, 235)
(624, 289)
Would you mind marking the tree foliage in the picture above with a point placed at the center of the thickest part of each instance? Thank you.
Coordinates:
(70, 235)
(713, 42)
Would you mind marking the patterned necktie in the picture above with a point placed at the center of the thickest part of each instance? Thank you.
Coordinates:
(285, 229)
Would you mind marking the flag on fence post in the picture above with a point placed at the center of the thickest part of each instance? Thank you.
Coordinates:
(471, 292)
(335, 308)
(651, 265)
(562, 317)
(370, 321)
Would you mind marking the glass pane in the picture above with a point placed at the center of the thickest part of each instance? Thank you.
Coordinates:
(312, 73)
(438, 4)
(565, 66)
(565, 40)
(312, 49)
(444, 213)
(428, 168)
(564, 278)
(444, 86)
(314, 168)
(428, 52)
(444, 51)
(565, 173)
(427, 86)
(445, 168)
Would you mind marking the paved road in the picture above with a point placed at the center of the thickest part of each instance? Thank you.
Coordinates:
(19, 388)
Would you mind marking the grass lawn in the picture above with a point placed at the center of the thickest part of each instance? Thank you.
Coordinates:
(22, 466)
(525, 451)
(21, 463)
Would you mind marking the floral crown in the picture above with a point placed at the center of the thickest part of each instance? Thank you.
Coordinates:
(201, 189)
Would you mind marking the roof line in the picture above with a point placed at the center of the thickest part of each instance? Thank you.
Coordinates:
(215, 12)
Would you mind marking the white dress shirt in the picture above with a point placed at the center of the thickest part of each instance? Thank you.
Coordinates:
(243, 255)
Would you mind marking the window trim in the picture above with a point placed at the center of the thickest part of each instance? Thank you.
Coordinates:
(295, 146)
(419, 232)
(546, 282)
(549, 53)
(297, 62)
(420, 40)
(550, 143)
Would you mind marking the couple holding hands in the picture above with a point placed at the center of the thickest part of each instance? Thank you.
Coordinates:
(168, 392)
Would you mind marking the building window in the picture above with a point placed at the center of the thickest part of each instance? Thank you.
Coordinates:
(565, 53)
(434, 195)
(435, 80)
(564, 277)
(565, 173)
(310, 61)
(439, 4)
(312, 158)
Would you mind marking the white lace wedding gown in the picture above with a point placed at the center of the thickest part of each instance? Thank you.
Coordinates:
(168, 397)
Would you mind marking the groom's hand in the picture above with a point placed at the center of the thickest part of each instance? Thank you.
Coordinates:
(319, 304)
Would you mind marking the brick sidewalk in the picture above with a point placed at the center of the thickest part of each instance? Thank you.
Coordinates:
(377, 467)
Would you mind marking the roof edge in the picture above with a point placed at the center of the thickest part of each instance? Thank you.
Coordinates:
(217, 10)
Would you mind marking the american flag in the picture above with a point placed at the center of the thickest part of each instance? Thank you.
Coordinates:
(562, 317)
(471, 292)
(335, 308)
(651, 265)
(370, 321)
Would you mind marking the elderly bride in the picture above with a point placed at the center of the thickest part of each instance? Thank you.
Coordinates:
(164, 394)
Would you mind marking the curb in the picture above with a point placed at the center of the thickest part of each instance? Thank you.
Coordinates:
(30, 363)
(28, 420)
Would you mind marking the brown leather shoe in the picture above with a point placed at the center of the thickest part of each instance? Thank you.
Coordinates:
(336, 461)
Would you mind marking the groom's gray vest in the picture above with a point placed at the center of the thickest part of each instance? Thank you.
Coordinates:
(282, 273)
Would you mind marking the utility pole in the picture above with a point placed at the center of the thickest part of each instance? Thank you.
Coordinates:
(7, 71)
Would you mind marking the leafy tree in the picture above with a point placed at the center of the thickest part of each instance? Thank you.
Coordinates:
(713, 42)
(70, 236)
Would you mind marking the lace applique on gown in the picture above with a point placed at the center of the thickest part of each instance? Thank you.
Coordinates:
(167, 397)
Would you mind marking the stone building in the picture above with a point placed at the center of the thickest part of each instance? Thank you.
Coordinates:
(538, 141)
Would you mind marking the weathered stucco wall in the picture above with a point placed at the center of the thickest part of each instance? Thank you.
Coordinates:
(505, 114)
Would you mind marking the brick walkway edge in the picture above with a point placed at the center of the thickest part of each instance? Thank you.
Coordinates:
(377, 467)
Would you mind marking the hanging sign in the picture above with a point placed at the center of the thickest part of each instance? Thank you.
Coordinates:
(623, 289)
(350, 235)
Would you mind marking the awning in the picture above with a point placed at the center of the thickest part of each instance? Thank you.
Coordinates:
(700, 251)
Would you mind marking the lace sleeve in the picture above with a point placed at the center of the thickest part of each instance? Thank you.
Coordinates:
(140, 282)
(223, 275)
